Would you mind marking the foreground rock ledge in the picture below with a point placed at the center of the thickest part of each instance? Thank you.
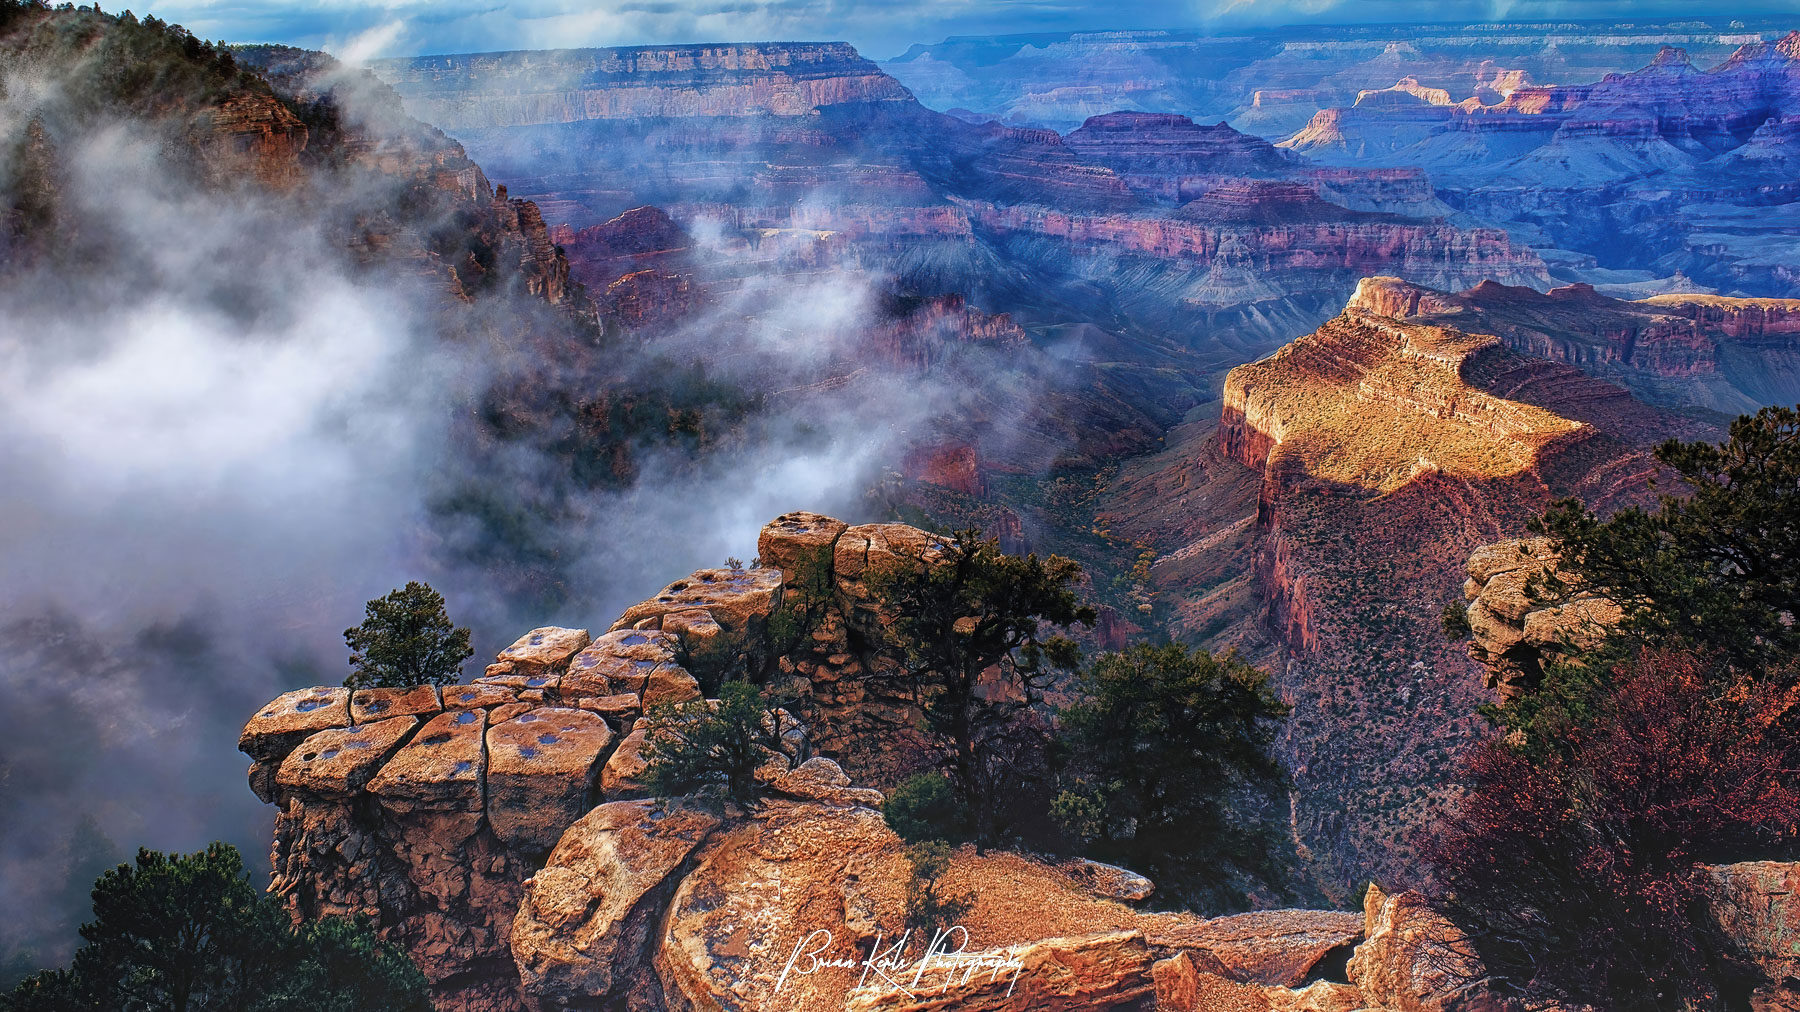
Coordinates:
(499, 831)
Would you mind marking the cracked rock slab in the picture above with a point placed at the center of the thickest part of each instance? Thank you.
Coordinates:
(369, 705)
(290, 719)
(441, 769)
(540, 773)
(339, 762)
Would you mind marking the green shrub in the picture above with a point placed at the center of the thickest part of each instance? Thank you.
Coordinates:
(703, 743)
(925, 807)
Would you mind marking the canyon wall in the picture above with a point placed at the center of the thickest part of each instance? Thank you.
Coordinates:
(824, 152)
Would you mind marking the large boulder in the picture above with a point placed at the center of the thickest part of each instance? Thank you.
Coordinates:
(290, 719)
(618, 662)
(719, 614)
(1415, 960)
(339, 762)
(794, 542)
(1183, 984)
(586, 927)
(1512, 632)
(1280, 947)
(541, 652)
(873, 548)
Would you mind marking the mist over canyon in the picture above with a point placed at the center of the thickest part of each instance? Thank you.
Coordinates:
(1269, 330)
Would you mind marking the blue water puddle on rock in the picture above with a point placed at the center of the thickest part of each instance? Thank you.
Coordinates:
(467, 717)
(528, 752)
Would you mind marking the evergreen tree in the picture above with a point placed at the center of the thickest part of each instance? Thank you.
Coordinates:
(1717, 568)
(1170, 771)
(406, 638)
(189, 933)
(977, 614)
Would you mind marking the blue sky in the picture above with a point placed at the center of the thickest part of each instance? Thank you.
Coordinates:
(880, 28)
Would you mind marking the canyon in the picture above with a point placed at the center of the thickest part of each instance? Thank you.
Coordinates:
(1284, 339)
(1142, 226)
(1270, 81)
(1669, 174)
(1319, 519)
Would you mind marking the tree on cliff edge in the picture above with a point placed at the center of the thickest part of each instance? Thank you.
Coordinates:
(970, 628)
(406, 638)
(1718, 567)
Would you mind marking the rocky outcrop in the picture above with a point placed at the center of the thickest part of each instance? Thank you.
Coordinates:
(500, 830)
(1518, 618)
(427, 809)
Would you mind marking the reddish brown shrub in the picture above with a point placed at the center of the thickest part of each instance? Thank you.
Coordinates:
(1575, 864)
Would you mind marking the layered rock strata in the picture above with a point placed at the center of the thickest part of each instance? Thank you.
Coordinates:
(1729, 354)
(1675, 174)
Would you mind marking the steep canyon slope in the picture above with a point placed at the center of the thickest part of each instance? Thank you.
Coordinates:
(1320, 521)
